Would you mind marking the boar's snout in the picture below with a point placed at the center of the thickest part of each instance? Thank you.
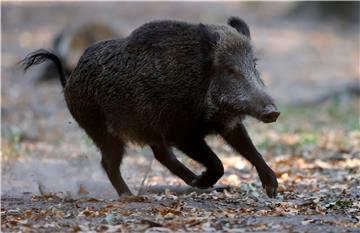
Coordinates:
(270, 114)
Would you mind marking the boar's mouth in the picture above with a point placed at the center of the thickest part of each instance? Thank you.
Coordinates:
(269, 115)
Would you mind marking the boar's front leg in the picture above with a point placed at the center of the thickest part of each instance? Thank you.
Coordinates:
(197, 149)
(239, 139)
(166, 157)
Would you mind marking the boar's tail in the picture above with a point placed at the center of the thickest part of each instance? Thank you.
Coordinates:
(39, 57)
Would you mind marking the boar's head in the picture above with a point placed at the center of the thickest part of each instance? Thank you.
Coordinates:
(236, 86)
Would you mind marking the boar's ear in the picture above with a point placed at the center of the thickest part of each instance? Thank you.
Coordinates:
(239, 25)
(208, 40)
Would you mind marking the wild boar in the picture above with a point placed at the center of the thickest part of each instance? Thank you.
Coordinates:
(169, 84)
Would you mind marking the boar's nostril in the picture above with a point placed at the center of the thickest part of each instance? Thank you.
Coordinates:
(270, 116)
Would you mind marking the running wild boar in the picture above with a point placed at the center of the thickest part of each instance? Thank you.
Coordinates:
(169, 84)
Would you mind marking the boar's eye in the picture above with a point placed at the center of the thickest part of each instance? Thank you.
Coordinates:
(230, 70)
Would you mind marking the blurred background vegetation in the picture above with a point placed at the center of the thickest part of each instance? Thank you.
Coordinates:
(309, 59)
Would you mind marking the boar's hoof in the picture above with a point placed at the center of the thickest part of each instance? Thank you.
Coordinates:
(198, 184)
(125, 194)
(271, 191)
(269, 182)
(202, 182)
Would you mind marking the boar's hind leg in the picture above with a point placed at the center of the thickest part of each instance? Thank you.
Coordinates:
(166, 157)
(112, 150)
(239, 139)
(198, 150)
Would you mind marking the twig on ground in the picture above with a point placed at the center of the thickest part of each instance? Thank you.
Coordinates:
(41, 189)
(142, 189)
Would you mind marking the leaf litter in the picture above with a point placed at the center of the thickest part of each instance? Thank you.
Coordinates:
(319, 190)
(315, 152)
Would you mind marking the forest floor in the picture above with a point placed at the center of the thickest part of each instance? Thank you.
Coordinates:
(317, 169)
(52, 180)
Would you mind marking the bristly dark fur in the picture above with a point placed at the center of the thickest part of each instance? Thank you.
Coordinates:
(41, 56)
(239, 25)
(167, 85)
(208, 39)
